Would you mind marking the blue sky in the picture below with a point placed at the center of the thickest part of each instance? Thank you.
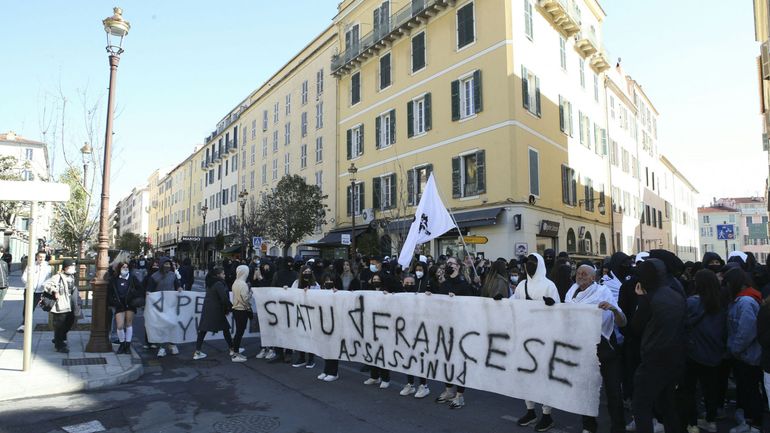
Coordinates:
(187, 64)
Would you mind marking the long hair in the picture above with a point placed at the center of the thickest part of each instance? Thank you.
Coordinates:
(708, 289)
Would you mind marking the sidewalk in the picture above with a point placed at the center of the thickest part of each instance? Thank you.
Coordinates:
(48, 373)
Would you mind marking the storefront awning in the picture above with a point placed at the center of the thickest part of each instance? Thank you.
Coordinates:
(334, 238)
(466, 219)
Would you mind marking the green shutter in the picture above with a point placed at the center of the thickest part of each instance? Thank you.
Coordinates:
(361, 140)
(481, 181)
(569, 109)
(410, 175)
(376, 193)
(350, 143)
(456, 178)
(562, 125)
(524, 87)
(361, 196)
(393, 196)
(428, 121)
(456, 100)
(392, 132)
(410, 119)
(537, 96)
(350, 197)
(377, 132)
(477, 99)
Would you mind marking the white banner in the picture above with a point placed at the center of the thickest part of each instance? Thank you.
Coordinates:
(173, 317)
(522, 349)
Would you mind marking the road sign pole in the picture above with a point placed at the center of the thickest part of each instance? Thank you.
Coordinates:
(727, 251)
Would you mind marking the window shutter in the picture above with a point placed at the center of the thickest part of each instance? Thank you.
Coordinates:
(564, 185)
(481, 181)
(428, 170)
(377, 132)
(350, 144)
(376, 21)
(392, 191)
(456, 100)
(477, 100)
(580, 122)
(428, 121)
(376, 197)
(461, 28)
(525, 87)
(350, 202)
(537, 96)
(410, 175)
(361, 140)
(573, 198)
(569, 109)
(456, 178)
(410, 119)
(562, 125)
(392, 126)
(361, 197)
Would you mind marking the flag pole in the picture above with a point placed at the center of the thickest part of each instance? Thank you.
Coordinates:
(454, 220)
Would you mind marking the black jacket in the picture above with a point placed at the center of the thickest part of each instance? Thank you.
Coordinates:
(355, 283)
(763, 335)
(187, 275)
(457, 285)
(216, 305)
(135, 290)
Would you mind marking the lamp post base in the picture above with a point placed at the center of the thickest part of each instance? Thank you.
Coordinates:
(99, 341)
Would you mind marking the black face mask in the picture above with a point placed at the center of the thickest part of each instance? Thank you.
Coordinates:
(329, 285)
(531, 268)
(408, 286)
(377, 284)
(548, 261)
(716, 268)
(622, 271)
(306, 276)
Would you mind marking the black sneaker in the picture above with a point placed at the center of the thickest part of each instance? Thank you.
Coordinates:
(545, 423)
(528, 419)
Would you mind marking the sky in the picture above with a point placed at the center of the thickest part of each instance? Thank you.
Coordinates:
(187, 64)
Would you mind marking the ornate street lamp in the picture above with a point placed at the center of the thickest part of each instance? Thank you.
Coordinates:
(352, 170)
(204, 209)
(242, 197)
(116, 28)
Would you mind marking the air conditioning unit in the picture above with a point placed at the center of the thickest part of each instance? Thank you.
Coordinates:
(367, 215)
(765, 58)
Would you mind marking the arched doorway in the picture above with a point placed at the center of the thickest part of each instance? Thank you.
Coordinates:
(588, 243)
(571, 241)
(602, 245)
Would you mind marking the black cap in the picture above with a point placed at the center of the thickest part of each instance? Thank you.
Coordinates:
(66, 263)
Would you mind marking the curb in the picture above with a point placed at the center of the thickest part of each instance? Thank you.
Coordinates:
(135, 372)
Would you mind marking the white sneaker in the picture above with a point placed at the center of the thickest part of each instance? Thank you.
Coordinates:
(371, 381)
(422, 391)
(445, 396)
(321, 376)
(693, 429)
(331, 378)
(262, 353)
(174, 350)
(384, 385)
(657, 427)
(299, 364)
(161, 352)
(238, 358)
(271, 355)
(631, 426)
(407, 389)
(20, 328)
(311, 365)
(196, 356)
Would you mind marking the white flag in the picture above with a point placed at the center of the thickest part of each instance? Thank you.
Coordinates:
(430, 221)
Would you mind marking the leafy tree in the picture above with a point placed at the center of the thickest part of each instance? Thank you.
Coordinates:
(9, 209)
(131, 242)
(73, 223)
(292, 211)
(250, 224)
(219, 241)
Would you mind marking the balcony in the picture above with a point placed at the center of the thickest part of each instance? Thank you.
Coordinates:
(399, 24)
(586, 43)
(563, 14)
(217, 157)
(600, 61)
(232, 146)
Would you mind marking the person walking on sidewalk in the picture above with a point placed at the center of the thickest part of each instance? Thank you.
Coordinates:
(164, 280)
(38, 274)
(241, 308)
(62, 287)
(124, 292)
(4, 277)
(216, 306)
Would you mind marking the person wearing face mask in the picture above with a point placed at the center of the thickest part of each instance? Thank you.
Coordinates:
(387, 282)
(422, 281)
(536, 288)
(331, 366)
(216, 307)
(713, 262)
(496, 284)
(123, 291)
(378, 376)
(164, 280)
(39, 274)
(306, 281)
(409, 285)
(62, 287)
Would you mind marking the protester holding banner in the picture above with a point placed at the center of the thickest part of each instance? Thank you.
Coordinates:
(305, 281)
(164, 280)
(284, 276)
(331, 366)
(241, 309)
(124, 294)
(378, 376)
(496, 282)
(409, 286)
(347, 279)
(216, 306)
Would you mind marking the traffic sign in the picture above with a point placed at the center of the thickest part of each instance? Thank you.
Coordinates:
(256, 242)
(725, 232)
(345, 239)
(475, 239)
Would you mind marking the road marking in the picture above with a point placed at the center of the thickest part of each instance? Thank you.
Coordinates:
(86, 427)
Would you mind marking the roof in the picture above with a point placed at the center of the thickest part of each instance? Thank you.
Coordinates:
(11, 137)
(711, 209)
(742, 200)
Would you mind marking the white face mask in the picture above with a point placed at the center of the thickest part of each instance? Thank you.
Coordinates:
(373, 268)
(419, 274)
(514, 278)
(124, 273)
(70, 270)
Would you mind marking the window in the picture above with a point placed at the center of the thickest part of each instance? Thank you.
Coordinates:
(319, 180)
(264, 120)
(647, 214)
(565, 116)
(319, 149)
(568, 186)
(303, 92)
(303, 156)
(534, 172)
(275, 169)
(530, 90)
(319, 77)
(585, 129)
(416, 181)
(469, 174)
(355, 88)
(319, 115)
(385, 76)
(582, 73)
(264, 174)
(418, 113)
(355, 198)
(276, 109)
(253, 130)
(660, 220)
(626, 158)
(351, 46)
(528, 19)
(466, 96)
(418, 52)
(563, 53)
(355, 141)
(287, 134)
(384, 192)
(596, 88)
(466, 27)
(264, 147)
(253, 179)
(303, 124)
(27, 175)
(286, 163)
(28, 154)
(612, 107)
(614, 160)
(589, 194)
(385, 129)
(381, 21)
(275, 141)
(288, 104)
(253, 154)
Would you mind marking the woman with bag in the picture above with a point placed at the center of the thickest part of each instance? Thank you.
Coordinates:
(216, 307)
(241, 309)
(65, 306)
(124, 294)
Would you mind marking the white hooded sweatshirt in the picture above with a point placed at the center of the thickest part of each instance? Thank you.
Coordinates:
(537, 286)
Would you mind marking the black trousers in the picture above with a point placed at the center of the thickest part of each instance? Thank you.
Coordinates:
(35, 300)
(654, 385)
(460, 389)
(610, 366)
(708, 378)
(331, 367)
(202, 336)
(241, 321)
(748, 379)
(62, 323)
(304, 356)
(379, 373)
(410, 380)
(631, 360)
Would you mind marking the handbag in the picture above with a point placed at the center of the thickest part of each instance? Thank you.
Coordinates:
(47, 302)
